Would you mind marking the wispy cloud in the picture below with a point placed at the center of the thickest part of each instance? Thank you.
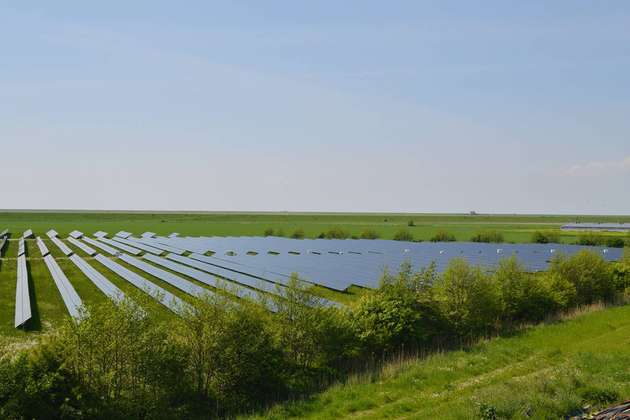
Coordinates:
(599, 167)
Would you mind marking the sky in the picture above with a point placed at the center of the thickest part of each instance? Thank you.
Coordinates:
(354, 106)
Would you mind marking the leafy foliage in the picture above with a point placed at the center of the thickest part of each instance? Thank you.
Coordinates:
(489, 236)
(403, 235)
(443, 236)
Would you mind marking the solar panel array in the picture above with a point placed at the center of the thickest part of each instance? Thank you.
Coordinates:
(116, 244)
(165, 297)
(610, 227)
(139, 245)
(85, 248)
(254, 267)
(337, 264)
(22, 298)
(27, 234)
(101, 246)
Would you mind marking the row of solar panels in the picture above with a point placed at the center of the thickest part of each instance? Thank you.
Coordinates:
(611, 227)
(336, 264)
(195, 269)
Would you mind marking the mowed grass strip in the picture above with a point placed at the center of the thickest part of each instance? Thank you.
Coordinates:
(549, 371)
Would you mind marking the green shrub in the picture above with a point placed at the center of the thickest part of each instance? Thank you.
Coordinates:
(615, 242)
(403, 235)
(411, 223)
(589, 273)
(539, 237)
(530, 297)
(442, 236)
(590, 239)
(469, 299)
(490, 236)
(268, 232)
(298, 234)
(369, 234)
(337, 233)
(400, 315)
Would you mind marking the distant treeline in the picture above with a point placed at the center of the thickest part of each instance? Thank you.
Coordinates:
(487, 236)
(225, 358)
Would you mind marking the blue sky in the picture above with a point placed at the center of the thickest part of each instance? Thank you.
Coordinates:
(497, 106)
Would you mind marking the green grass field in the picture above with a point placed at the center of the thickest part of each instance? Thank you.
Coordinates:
(549, 371)
(515, 228)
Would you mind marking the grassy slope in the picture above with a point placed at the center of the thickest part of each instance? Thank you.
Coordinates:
(517, 228)
(546, 372)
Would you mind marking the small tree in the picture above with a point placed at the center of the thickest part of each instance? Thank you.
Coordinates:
(369, 234)
(442, 236)
(269, 232)
(490, 236)
(469, 299)
(403, 235)
(589, 273)
(298, 234)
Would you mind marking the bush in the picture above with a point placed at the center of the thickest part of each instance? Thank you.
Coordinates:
(615, 242)
(400, 315)
(469, 299)
(490, 236)
(403, 235)
(369, 234)
(589, 273)
(337, 233)
(298, 234)
(232, 361)
(268, 232)
(539, 237)
(590, 239)
(530, 297)
(411, 223)
(316, 340)
(443, 236)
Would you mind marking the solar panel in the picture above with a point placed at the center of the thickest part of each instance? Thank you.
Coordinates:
(4, 233)
(165, 297)
(22, 298)
(42, 247)
(70, 297)
(76, 234)
(210, 280)
(100, 234)
(242, 279)
(101, 246)
(62, 246)
(173, 235)
(100, 281)
(27, 234)
(21, 247)
(3, 241)
(52, 233)
(138, 244)
(172, 279)
(88, 250)
(154, 243)
(115, 244)
(148, 235)
(123, 234)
